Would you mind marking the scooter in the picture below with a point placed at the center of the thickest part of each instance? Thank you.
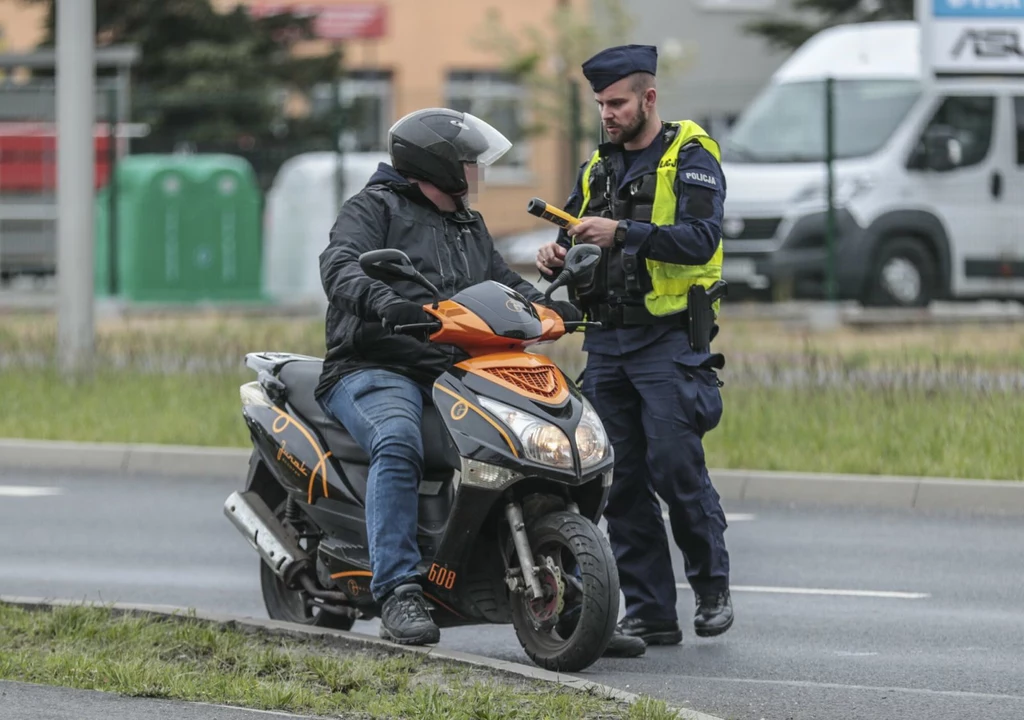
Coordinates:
(517, 472)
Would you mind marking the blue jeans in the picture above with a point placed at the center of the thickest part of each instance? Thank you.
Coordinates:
(382, 411)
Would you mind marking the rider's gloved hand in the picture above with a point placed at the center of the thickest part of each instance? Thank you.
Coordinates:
(566, 310)
(405, 313)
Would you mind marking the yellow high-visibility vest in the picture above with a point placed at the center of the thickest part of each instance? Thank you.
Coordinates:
(671, 281)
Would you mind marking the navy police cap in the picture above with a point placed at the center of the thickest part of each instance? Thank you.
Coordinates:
(615, 63)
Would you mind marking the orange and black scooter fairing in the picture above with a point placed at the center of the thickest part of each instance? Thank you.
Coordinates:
(517, 470)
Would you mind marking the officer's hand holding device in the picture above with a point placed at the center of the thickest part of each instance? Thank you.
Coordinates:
(596, 231)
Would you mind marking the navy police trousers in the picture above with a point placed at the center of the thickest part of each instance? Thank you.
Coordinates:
(656, 404)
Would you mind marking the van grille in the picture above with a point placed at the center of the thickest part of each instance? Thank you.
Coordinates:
(754, 229)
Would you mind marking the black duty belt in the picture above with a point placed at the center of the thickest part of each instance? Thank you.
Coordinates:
(625, 315)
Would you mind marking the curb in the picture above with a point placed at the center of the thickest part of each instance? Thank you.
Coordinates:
(366, 641)
(125, 458)
(899, 492)
(997, 497)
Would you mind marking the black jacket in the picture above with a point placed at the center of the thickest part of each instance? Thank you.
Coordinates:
(452, 253)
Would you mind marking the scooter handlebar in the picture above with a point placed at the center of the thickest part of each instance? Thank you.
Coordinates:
(433, 326)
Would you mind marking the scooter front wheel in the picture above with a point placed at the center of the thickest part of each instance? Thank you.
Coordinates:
(568, 628)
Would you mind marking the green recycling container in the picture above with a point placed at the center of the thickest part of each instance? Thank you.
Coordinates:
(188, 230)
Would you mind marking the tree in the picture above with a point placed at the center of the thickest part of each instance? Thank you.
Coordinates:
(546, 61)
(208, 78)
(789, 34)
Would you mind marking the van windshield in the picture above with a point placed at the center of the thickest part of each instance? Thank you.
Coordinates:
(786, 122)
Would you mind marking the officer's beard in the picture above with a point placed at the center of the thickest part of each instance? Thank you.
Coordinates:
(636, 129)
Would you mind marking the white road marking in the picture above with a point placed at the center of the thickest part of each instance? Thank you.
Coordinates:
(729, 517)
(27, 491)
(822, 591)
(739, 517)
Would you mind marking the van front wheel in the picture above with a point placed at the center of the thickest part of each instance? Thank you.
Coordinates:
(904, 275)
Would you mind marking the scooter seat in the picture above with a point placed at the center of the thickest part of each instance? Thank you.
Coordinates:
(302, 376)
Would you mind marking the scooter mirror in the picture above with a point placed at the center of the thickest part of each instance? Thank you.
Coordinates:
(387, 264)
(581, 263)
(391, 264)
(579, 268)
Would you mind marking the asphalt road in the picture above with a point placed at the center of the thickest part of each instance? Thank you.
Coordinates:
(20, 701)
(840, 614)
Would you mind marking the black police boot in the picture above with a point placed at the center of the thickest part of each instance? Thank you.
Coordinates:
(713, 615)
(661, 632)
(622, 645)
(404, 618)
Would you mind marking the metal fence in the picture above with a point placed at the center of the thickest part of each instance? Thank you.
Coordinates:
(28, 152)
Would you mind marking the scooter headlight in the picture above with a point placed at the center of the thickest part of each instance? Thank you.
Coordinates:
(542, 441)
(591, 439)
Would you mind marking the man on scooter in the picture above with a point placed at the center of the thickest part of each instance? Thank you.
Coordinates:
(375, 381)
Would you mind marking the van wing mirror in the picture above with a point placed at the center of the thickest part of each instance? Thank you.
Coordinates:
(942, 150)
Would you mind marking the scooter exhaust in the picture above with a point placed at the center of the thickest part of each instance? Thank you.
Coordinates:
(265, 533)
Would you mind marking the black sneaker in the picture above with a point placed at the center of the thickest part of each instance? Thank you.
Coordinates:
(404, 618)
(713, 615)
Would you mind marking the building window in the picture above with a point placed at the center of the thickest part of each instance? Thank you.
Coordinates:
(366, 96)
(498, 99)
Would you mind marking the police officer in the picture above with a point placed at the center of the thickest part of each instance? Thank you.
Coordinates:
(652, 199)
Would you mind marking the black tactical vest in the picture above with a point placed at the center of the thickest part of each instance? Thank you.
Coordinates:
(620, 284)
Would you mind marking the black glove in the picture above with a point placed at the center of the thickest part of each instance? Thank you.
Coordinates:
(566, 310)
(405, 313)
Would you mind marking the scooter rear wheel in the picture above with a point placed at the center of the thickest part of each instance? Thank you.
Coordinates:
(591, 595)
(289, 605)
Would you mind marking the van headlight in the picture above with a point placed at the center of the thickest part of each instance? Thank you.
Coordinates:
(545, 443)
(591, 439)
(846, 190)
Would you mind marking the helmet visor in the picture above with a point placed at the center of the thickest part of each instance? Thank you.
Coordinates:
(479, 142)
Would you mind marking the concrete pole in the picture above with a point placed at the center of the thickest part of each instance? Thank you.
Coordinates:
(76, 159)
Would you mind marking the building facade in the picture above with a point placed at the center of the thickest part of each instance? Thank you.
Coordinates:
(428, 54)
(423, 53)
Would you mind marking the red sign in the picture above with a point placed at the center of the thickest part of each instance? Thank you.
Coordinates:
(335, 22)
(28, 161)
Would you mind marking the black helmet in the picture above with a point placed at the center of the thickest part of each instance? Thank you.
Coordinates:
(432, 144)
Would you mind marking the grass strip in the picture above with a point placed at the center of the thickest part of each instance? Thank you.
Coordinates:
(184, 658)
(944, 432)
(212, 337)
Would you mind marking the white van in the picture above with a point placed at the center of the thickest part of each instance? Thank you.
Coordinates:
(928, 178)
